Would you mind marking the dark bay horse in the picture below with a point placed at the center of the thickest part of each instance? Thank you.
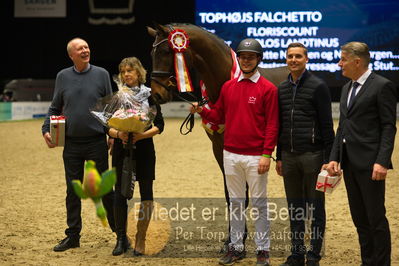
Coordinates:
(211, 57)
(206, 53)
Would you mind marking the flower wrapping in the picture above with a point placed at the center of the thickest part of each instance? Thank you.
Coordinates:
(327, 183)
(126, 110)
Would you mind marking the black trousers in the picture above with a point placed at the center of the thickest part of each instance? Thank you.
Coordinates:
(144, 154)
(367, 206)
(300, 171)
(76, 152)
(146, 193)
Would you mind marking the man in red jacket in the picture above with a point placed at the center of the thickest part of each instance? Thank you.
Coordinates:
(248, 106)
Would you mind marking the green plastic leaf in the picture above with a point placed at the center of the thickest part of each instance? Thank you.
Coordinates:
(108, 180)
(77, 187)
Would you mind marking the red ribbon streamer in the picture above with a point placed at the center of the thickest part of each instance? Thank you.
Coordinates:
(178, 40)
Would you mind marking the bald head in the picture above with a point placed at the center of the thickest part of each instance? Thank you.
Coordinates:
(73, 42)
(79, 52)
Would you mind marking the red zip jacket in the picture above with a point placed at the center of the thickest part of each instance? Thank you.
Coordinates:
(250, 112)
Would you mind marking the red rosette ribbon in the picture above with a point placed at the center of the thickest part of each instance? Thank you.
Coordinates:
(179, 41)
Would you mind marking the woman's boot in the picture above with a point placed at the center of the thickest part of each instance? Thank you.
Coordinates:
(122, 242)
(146, 208)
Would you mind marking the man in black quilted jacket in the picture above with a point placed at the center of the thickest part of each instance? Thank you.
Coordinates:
(305, 140)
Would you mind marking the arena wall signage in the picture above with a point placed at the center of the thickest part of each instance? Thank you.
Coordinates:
(321, 26)
(40, 8)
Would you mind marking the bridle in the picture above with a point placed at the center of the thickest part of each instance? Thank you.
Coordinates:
(165, 74)
(160, 73)
(188, 123)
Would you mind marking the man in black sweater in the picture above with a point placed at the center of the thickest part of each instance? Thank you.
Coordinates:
(77, 88)
(305, 140)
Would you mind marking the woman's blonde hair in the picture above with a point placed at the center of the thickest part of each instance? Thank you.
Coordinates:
(134, 63)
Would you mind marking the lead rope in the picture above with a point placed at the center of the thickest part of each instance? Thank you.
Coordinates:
(188, 123)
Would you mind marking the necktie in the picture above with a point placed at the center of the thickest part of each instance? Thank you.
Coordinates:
(353, 93)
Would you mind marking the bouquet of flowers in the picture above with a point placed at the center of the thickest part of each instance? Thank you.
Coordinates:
(126, 110)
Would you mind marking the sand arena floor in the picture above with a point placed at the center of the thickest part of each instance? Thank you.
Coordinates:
(32, 204)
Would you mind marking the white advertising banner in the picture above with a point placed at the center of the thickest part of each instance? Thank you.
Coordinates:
(40, 8)
(29, 110)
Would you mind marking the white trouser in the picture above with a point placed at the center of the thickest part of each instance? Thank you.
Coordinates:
(239, 170)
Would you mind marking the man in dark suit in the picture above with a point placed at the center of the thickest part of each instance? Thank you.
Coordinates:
(363, 146)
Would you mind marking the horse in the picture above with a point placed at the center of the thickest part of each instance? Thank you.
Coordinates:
(211, 57)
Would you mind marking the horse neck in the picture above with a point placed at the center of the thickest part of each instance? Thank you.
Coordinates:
(212, 59)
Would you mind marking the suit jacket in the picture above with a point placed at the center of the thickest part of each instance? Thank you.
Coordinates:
(369, 126)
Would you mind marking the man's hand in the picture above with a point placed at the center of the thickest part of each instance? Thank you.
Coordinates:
(279, 167)
(48, 140)
(264, 165)
(334, 169)
(379, 172)
(195, 108)
(324, 167)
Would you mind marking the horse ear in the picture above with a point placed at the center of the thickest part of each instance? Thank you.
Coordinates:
(160, 29)
(151, 31)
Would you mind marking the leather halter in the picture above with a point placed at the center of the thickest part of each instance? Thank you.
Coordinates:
(188, 123)
(161, 73)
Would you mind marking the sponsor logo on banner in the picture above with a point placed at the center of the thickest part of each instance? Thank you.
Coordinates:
(40, 9)
(111, 12)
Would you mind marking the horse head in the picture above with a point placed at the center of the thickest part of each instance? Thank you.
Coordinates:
(163, 80)
(208, 54)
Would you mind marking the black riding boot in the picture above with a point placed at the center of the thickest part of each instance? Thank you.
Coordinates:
(122, 242)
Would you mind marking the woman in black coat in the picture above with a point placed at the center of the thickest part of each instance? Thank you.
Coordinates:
(132, 74)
